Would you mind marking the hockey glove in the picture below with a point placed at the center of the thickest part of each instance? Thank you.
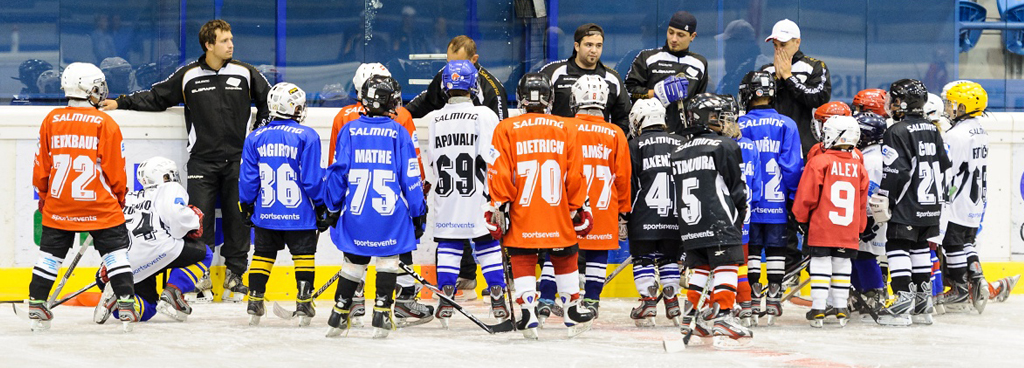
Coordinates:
(247, 210)
(801, 227)
(879, 205)
(197, 233)
(623, 226)
(426, 188)
(583, 219)
(419, 223)
(101, 274)
(42, 201)
(671, 89)
(325, 218)
(869, 233)
(496, 219)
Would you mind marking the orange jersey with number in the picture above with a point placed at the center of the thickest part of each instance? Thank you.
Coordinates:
(79, 170)
(538, 172)
(352, 112)
(607, 167)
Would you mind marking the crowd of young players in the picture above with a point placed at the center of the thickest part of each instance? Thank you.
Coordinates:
(540, 188)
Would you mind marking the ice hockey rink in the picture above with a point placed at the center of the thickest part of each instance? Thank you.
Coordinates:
(218, 335)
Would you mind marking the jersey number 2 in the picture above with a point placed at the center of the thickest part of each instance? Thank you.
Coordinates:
(86, 168)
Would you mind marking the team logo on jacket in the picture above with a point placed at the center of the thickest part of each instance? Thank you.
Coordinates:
(234, 82)
(889, 155)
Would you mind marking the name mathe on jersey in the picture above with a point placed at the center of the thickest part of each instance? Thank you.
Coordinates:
(372, 156)
(538, 121)
(540, 146)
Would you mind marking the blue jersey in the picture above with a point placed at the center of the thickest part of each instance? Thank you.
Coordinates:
(281, 175)
(375, 182)
(782, 162)
(752, 176)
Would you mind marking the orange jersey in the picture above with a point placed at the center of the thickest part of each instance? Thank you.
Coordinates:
(539, 173)
(608, 170)
(816, 150)
(352, 112)
(79, 170)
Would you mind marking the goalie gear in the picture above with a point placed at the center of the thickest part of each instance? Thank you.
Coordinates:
(583, 219)
(645, 113)
(879, 205)
(589, 92)
(671, 89)
(157, 170)
(496, 219)
(823, 113)
(287, 101)
(840, 131)
(84, 81)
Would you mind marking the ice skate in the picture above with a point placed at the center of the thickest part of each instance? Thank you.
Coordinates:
(382, 321)
(444, 309)
(745, 314)
(726, 331)
(671, 300)
(339, 321)
(923, 308)
(898, 313)
(978, 288)
(528, 321)
(842, 316)
(234, 290)
(591, 304)
(644, 314)
(465, 289)
(578, 318)
(39, 315)
(203, 292)
(105, 306)
(817, 317)
(756, 296)
(874, 300)
(545, 308)
(304, 307)
(127, 312)
(1003, 288)
(172, 303)
(700, 327)
(498, 308)
(255, 308)
(410, 312)
(358, 307)
(773, 302)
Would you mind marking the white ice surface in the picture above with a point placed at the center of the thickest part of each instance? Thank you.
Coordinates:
(217, 335)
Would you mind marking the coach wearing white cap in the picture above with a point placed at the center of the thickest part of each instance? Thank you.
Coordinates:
(803, 82)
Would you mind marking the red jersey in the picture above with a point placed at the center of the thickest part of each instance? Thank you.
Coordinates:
(539, 173)
(79, 170)
(833, 197)
(816, 150)
(352, 112)
(608, 169)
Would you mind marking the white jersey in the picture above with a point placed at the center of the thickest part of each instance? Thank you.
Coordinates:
(458, 152)
(158, 218)
(873, 164)
(967, 147)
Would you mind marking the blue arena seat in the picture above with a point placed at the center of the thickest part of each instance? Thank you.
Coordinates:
(1014, 13)
(970, 12)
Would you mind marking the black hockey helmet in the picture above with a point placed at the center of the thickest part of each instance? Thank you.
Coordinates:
(534, 91)
(704, 111)
(378, 96)
(872, 126)
(906, 96)
(756, 84)
(29, 71)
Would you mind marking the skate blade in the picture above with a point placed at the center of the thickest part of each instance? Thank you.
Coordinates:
(168, 310)
(282, 313)
(843, 322)
(579, 328)
(894, 322)
(335, 332)
(39, 326)
(817, 323)
(206, 297)
(677, 321)
(728, 343)
(674, 345)
(645, 322)
(956, 307)
(771, 320)
(747, 322)
(21, 311)
(304, 321)
(254, 320)
(444, 322)
(531, 333)
(232, 297)
(921, 319)
(540, 321)
(356, 322)
(127, 326)
(403, 322)
(380, 333)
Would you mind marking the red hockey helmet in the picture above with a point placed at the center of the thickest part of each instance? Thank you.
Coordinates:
(871, 99)
(823, 112)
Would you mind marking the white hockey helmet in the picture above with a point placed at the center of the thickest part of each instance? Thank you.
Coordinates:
(157, 170)
(589, 91)
(84, 81)
(645, 113)
(933, 108)
(364, 72)
(840, 130)
(287, 101)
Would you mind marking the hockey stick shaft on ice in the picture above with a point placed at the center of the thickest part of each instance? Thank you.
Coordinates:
(71, 268)
(505, 326)
(703, 297)
(285, 314)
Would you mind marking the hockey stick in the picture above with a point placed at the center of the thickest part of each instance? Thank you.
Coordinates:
(622, 266)
(71, 268)
(858, 301)
(288, 315)
(507, 265)
(795, 289)
(693, 322)
(22, 313)
(505, 326)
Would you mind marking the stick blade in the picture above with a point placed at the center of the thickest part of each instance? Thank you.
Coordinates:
(282, 313)
(504, 326)
(673, 345)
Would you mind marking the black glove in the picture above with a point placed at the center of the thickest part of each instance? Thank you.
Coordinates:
(420, 224)
(801, 227)
(325, 219)
(789, 211)
(247, 211)
(870, 230)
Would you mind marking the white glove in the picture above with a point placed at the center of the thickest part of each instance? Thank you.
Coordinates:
(495, 220)
(623, 227)
(879, 205)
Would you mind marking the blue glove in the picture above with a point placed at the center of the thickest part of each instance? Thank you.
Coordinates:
(671, 89)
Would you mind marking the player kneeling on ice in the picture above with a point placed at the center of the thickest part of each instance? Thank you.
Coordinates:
(375, 182)
(165, 237)
(711, 204)
(831, 203)
(459, 150)
(653, 229)
(79, 175)
(538, 201)
(280, 192)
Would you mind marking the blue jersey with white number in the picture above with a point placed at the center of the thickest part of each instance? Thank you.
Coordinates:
(752, 176)
(281, 175)
(375, 182)
(782, 163)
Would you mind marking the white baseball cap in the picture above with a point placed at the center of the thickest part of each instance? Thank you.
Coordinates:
(784, 30)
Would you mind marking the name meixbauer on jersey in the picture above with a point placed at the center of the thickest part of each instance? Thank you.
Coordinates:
(74, 141)
(540, 146)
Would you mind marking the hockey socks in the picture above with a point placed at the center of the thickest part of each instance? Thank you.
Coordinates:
(449, 255)
(724, 291)
(143, 308)
(643, 275)
(597, 270)
(488, 253)
(754, 264)
(305, 268)
(776, 264)
(185, 278)
(547, 287)
(668, 272)
(937, 286)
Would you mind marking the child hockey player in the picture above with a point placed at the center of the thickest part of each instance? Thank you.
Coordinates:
(711, 205)
(375, 179)
(871, 99)
(73, 140)
(831, 202)
(538, 201)
(867, 278)
(165, 237)
(653, 229)
(280, 188)
(821, 114)
(778, 144)
(910, 198)
(458, 152)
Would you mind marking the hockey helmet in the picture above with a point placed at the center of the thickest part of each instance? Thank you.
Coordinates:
(534, 91)
(704, 111)
(823, 112)
(364, 72)
(906, 96)
(378, 96)
(871, 99)
(84, 81)
(966, 100)
(458, 75)
(287, 101)
(645, 113)
(157, 170)
(29, 71)
(49, 82)
(840, 130)
(754, 85)
(589, 91)
(945, 88)
(872, 127)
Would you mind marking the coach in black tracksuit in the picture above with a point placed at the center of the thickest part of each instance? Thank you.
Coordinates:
(490, 91)
(218, 93)
(586, 59)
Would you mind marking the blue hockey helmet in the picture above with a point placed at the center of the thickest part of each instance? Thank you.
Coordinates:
(458, 75)
(872, 126)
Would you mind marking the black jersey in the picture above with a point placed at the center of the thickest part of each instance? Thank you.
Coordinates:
(914, 160)
(653, 216)
(711, 197)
